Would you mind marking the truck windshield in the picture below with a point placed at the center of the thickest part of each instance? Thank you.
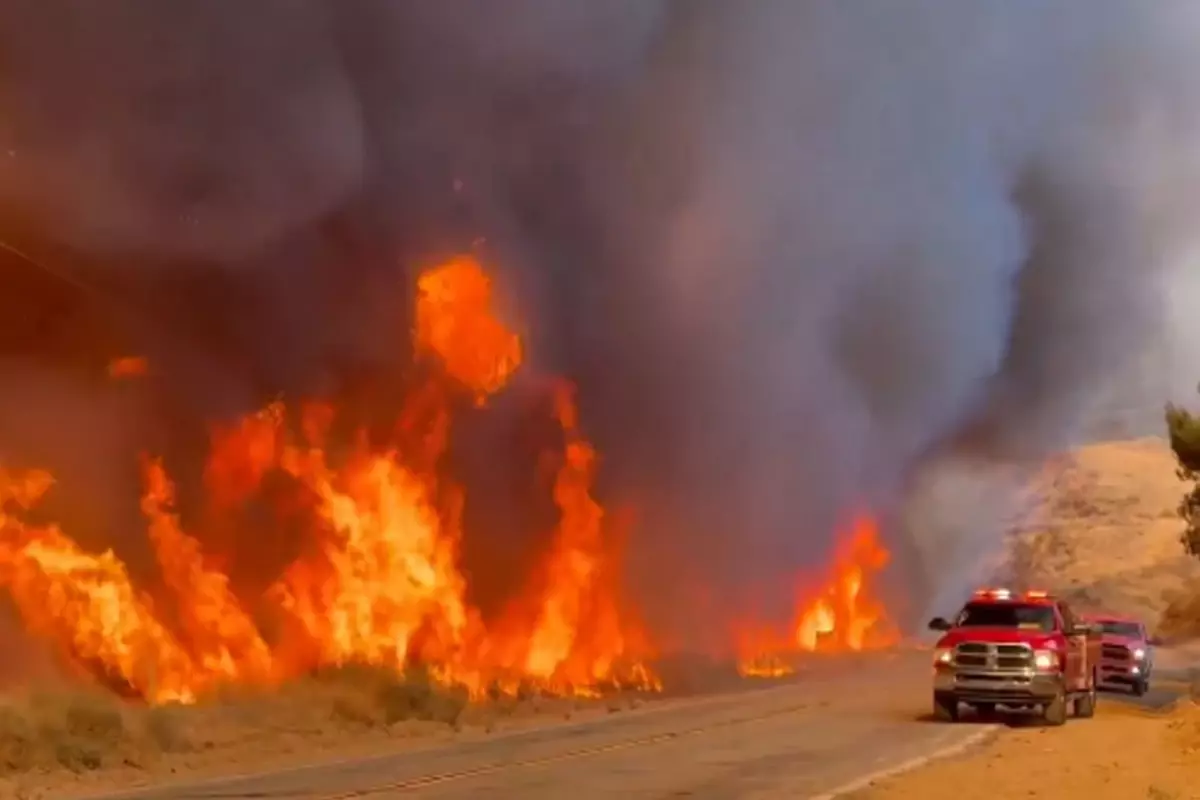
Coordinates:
(1128, 630)
(1007, 615)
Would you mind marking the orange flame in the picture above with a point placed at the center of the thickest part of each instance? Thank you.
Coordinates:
(383, 565)
(455, 321)
(242, 454)
(578, 638)
(763, 654)
(224, 640)
(128, 367)
(378, 582)
(842, 615)
(87, 603)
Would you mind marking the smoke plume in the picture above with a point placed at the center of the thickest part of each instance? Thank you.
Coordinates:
(796, 252)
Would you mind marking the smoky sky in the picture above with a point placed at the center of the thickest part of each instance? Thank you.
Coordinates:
(795, 252)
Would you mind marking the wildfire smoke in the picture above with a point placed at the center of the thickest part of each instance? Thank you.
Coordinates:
(799, 257)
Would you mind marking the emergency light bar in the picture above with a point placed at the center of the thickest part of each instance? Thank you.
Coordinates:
(1007, 594)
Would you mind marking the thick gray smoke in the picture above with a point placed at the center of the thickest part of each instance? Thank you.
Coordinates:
(795, 251)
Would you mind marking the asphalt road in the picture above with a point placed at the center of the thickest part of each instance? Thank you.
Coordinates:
(1159, 698)
(803, 738)
(1168, 686)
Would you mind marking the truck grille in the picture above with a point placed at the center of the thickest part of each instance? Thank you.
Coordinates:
(1115, 652)
(982, 655)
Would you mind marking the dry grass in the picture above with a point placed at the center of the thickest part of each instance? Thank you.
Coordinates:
(1108, 536)
(61, 737)
(374, 698)
(80, 731)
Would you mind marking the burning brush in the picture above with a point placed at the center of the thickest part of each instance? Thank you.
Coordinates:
(377, 582)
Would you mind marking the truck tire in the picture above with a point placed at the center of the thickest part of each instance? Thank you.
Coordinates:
(1141, 687)
(1055, 712)
(1085, 704)
(945, 707)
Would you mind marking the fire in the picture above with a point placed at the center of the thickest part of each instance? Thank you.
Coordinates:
(378, 580)
(578, 639)
(763, 654)
(764, 666)
(455, 322)
(574, 562)
(225, 642)
(128, 367)
(383, 564)
(87, 603)
(842, 615)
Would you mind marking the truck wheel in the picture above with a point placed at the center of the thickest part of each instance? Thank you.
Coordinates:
(945, 707)
(1141, 687)
(1085, 704)
(1055, 712)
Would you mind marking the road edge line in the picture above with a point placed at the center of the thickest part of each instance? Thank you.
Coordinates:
(973, 740)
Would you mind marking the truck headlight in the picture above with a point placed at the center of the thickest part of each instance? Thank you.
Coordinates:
(1045, 661)
(943, 656)
(1139, 654)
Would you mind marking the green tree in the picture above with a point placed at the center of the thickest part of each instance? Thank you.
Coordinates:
(1183, 428)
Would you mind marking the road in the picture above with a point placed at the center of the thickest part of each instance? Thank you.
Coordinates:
(803, 738)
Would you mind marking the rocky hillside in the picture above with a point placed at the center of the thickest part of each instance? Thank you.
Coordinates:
(1106, 535)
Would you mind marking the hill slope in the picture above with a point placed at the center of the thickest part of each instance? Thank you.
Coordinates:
(1107, 535)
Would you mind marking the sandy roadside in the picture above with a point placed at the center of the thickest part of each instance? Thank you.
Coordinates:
(1122, 753)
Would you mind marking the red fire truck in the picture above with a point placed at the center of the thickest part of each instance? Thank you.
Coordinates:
(1018, 650)
(1127, 652)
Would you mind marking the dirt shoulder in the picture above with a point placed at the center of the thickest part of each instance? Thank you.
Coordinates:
(1123, 752)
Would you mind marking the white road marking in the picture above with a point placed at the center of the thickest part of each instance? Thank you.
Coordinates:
(971, 740)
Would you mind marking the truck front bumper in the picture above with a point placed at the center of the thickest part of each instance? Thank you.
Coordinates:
(1125, 673)
(1021, 687)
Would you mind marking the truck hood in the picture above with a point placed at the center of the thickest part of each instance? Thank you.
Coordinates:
(1127, 641)
(1035, 639)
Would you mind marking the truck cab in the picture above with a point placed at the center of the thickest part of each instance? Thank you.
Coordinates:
(1126, 652)
(1021, 651)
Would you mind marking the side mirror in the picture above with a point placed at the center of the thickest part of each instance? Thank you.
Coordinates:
(1154, 641)
(939, 624)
